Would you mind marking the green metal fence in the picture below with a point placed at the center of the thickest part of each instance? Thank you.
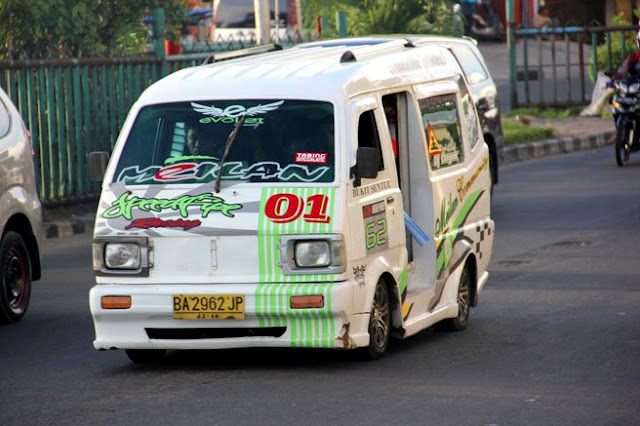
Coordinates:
(558, 66)
(75, 106)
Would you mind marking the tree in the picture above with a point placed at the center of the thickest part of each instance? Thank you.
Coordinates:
(69, 28)
(386, 16)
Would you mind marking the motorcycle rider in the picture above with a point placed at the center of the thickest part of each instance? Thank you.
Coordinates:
(631, 65)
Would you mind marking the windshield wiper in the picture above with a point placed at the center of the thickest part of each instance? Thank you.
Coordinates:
(227, 150)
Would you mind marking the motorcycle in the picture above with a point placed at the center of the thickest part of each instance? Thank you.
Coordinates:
(625, 106)
(481, 21)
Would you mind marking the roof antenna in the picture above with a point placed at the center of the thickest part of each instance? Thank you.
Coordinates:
(409, 42)
(348, 56)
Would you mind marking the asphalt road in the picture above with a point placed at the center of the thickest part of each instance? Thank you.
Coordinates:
(554, 341)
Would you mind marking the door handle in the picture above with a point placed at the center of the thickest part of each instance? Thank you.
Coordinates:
(390, 200)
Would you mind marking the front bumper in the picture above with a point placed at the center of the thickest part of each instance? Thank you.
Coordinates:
(269, 321)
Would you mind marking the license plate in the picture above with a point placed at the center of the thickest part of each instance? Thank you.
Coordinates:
(208, 306)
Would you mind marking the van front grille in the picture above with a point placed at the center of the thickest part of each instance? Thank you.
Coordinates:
(212, 333)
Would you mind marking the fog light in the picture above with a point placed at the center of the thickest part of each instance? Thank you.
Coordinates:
(115, 302)
(302, 302)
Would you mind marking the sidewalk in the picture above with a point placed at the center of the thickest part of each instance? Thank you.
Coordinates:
(573, 134)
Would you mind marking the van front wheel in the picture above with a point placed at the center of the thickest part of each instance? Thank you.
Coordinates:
(379, 321)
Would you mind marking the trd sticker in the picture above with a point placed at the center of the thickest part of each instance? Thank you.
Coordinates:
(375, 225)
(154, 222)
(311, 157)
(207, 202)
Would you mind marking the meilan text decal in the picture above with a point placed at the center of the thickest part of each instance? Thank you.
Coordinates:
(207, 202)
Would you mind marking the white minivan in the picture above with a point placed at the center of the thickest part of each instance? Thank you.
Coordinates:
(324, 197)
(20, 214)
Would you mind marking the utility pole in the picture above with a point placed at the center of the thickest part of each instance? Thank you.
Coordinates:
(262, 12)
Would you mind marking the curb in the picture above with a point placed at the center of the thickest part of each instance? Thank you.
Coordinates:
(544, 148)
(512, 154)
(65, 229)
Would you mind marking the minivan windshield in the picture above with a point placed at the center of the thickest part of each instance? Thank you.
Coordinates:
(281, 140)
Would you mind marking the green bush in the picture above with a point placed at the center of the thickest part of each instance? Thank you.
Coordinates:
(517, 132)
(617, 56)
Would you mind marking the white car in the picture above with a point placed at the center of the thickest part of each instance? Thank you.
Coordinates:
(20, 215)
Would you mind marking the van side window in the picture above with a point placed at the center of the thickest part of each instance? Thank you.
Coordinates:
(442, 129)
(473, 68)
(368, 134)
(5, 120)
(469, 117)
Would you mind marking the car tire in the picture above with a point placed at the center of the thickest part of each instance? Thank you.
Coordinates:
(15, 276)
(146, 356)
(460, 322)
(379, 322)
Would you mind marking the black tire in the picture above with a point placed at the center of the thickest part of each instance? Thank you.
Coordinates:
(622, 144)
(379, 322)
(146, 356)
(15, 276)
(460, 322)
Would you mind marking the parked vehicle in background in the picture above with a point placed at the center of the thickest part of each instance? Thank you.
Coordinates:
(480, 19)
(235, 19)
(20, 215)
(482, 87)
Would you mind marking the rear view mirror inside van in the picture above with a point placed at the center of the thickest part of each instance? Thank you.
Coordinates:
(98, 165)
(368, 160)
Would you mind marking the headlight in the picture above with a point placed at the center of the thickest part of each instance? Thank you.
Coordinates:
(313, 254)
(122, 256)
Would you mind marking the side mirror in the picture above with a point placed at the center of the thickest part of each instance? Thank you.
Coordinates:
(98, 165)
(367, 162)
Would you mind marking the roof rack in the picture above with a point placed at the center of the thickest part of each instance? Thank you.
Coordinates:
(241, 53)
(349, 56)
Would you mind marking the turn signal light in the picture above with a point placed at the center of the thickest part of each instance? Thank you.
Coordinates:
(302, 302)
(115, 302)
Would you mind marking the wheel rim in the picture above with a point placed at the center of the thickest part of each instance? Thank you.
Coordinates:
(14, 276)
(380, 317)
(463, 297)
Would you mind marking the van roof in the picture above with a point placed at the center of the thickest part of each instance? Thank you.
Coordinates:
(321, 71)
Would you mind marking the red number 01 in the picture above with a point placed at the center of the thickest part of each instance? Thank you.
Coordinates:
(285, 208)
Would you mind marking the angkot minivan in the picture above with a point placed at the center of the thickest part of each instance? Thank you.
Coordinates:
(325, 197)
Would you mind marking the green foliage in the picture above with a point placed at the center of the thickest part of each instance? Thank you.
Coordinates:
(517, 132)
(384, 16)
(617, 56)
(71, 28)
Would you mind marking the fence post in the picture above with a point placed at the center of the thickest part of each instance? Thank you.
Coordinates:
(341, 23)
(511, 40)
(157, 13)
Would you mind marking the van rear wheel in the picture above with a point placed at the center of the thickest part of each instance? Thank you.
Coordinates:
(145, 356)
(379, 322)
(460, 322)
